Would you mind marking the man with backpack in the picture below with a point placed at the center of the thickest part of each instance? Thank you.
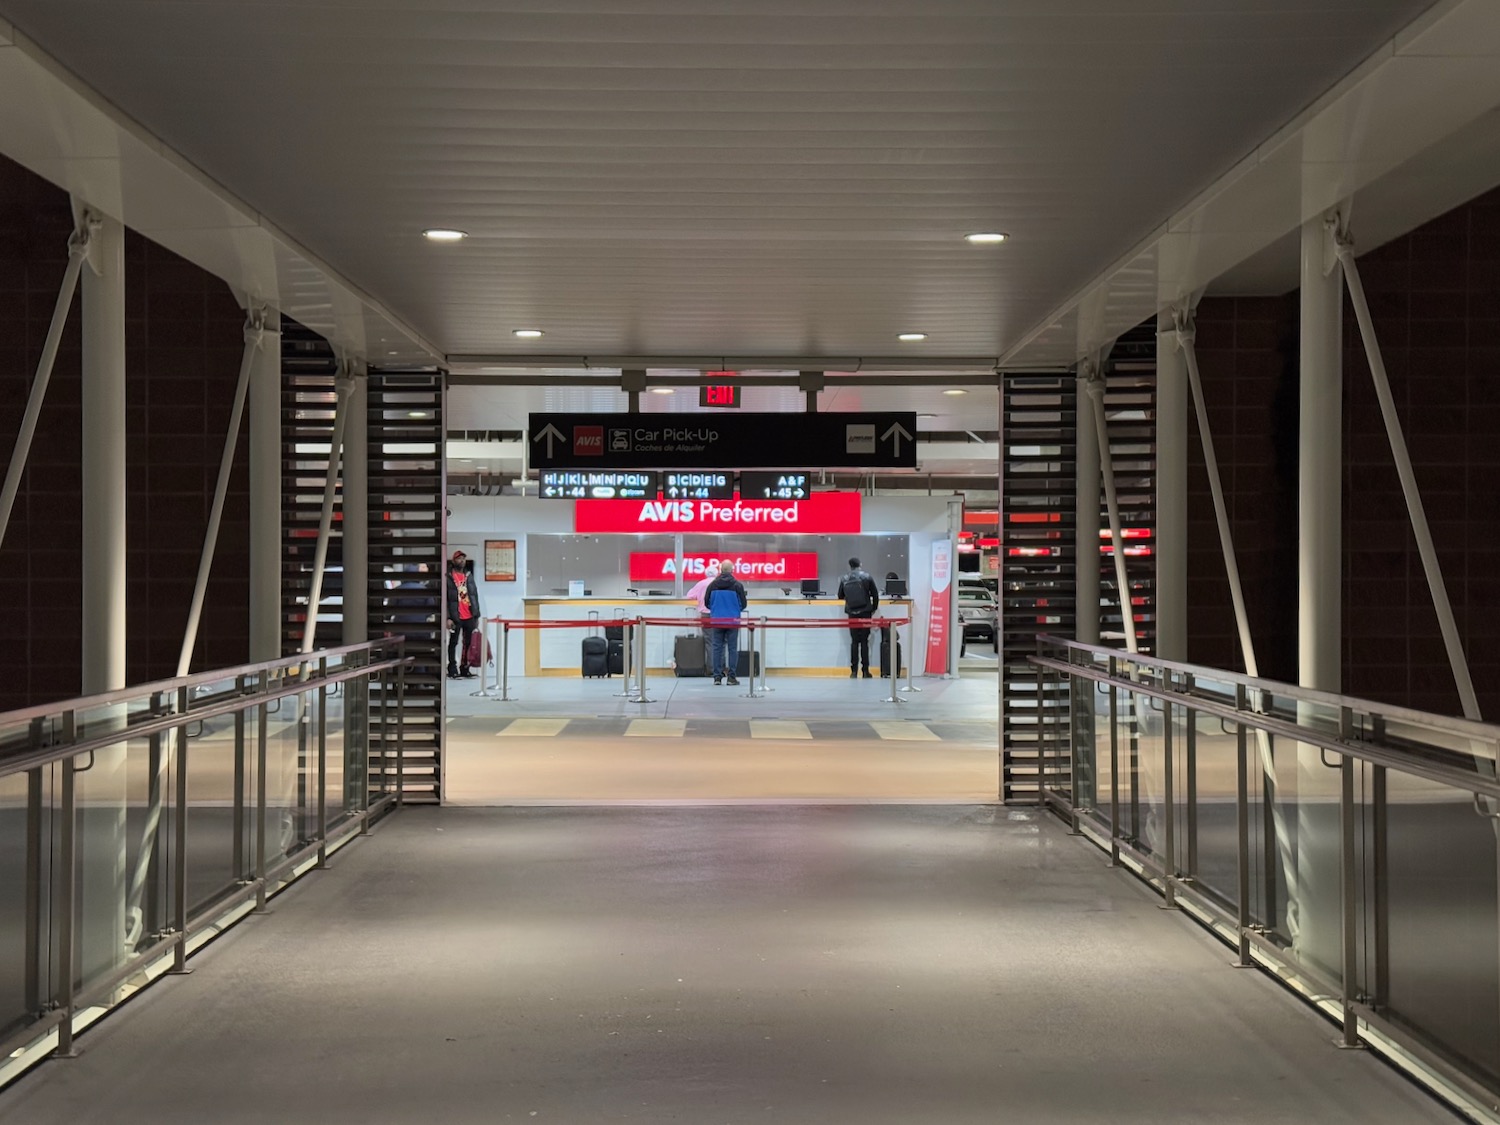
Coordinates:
(861, 599)
(726, 600)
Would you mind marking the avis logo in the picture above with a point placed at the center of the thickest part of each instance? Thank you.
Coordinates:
(588, 441)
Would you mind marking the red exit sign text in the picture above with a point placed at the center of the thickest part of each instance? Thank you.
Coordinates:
(719, 394)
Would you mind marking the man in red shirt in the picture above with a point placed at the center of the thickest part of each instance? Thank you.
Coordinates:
(463, 615)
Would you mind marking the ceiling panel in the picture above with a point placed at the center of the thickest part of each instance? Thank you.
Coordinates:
(691, 176)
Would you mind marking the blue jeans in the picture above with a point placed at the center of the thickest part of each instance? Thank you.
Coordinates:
(719, 641)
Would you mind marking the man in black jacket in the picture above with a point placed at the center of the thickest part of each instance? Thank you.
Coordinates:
(463, 614)
(861, 599)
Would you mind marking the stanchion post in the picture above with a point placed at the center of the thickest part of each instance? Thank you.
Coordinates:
(895, 680)
(911, 639)
(764, 628)
(753, 655)
(640, 678)
(504, 661)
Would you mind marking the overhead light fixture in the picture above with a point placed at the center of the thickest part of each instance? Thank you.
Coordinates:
(444, 234)
(466, 460)
(416, 413)
(660, 390)
(912, 337)
(986, 238)
(955, 391)
(528, 333)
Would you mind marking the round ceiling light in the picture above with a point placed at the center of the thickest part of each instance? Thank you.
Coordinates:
(955, 391)
(528, 333)
(444, 234)
(912, 337)
(986, 238)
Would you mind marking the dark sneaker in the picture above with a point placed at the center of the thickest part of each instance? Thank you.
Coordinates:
(466, 674)
(731, 680)
(854, 673)
(867, 675)
(718, 680)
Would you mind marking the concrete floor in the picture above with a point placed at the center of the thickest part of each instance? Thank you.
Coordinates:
(717, 965)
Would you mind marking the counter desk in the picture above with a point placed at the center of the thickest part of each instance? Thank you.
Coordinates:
(804, 652)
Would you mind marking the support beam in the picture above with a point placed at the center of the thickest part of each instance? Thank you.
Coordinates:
(633, 382)
(1320, 449)
(1086, 521)
(345, 388)
(1094, 388)
(254, 340)
(266, 551)
(102, 604)
(1171, 491)
(356, 509)
(810, 383)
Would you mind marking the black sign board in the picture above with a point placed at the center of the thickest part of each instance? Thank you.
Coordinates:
(863, 440)
(601, 484)
(775, 486)
(697, 486)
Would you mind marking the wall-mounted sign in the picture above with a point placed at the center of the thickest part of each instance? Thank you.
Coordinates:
(719, 394)
(723, 441)
(555, 484)
(499, 560)
(697, 486)
(822, 513)
(775, 486)
(661, 566)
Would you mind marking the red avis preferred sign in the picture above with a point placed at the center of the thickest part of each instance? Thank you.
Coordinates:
(822, 513)
(661, 566)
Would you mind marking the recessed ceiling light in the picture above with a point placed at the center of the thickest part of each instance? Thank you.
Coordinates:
(466, 460)
(955, 391)
(444, 234)
(986, 238)
(661, 390)
(912, 337)
(527, 333)
(416, 413)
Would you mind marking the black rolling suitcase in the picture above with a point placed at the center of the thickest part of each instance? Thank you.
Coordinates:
(886, 640)
(616, 658)
(742, 663)
(595, 658)
(690, 655)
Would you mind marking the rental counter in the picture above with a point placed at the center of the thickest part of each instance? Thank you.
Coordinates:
(789, 651)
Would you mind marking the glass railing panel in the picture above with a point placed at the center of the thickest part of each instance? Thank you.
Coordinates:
(1443, 972)
(355, 743)
(218, 771)
(1127, 728)
(1215, 758)
(24, 857)
(113, 792)
(333, 704)
(289, 725)
(1147, 724)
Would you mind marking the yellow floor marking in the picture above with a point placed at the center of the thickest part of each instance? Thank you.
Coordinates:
(778, 728)
(902, 731)
(533, 728)
(656, 728)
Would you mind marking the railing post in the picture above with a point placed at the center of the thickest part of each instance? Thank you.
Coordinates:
(64, 904)
(1114, 767)
(400, 735)
(1169, 805)
(179, 838)
(1190, 738)
(1041, 742)
(1242, 827)
(1348, 890)
(505, 661)
(323, 762)
(1380, 877)
(34, 987)
(262, 736)
(238, 847)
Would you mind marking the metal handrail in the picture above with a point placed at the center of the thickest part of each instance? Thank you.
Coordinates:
(225, 703)
(1453, 724)
(218, 675)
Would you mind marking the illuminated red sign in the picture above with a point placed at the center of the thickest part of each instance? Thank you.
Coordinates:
(822, 513)
(719, 394)
(656, 566)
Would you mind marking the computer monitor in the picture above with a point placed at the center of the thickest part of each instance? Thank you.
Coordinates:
(810, 588)
(895, 587)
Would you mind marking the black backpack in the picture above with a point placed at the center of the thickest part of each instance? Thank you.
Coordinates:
(856, 593)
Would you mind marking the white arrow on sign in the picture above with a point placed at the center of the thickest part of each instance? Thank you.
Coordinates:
(895, 433)
(552, 433)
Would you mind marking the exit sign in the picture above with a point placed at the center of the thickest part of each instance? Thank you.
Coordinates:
(719, 394)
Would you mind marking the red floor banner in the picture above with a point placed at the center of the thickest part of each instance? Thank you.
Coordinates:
(938, 608)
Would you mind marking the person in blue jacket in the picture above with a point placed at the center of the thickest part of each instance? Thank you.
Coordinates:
(725, 599)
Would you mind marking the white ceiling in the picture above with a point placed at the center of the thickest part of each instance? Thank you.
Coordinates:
(792, 177)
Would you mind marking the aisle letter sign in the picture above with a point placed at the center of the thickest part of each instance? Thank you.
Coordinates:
(937, 609)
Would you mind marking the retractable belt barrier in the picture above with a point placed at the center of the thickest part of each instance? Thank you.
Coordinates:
(635, 646)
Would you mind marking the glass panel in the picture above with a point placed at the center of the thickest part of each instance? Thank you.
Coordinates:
(115, 915)
(217, 783)
(1440, 879)
(23, 866)
(1215, 755)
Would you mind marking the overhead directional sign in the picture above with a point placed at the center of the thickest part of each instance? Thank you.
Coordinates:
(698, 486)
(554, 484)
(863, 440)
(775, 486)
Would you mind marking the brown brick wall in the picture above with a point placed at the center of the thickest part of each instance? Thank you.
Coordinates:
(183, 341)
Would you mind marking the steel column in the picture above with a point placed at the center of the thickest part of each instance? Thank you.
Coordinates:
(265, 489)
(356, 513)
(345, 388)
(1171, 493)
(1094, 386)
(1086, 520)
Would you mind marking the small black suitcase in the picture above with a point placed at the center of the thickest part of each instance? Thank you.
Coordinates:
(616, 657)
(742, 663)
(885, 654)
(614, 633)
(595, 658)
(690, 655)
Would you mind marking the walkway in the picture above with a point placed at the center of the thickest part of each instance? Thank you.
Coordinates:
(723, 965)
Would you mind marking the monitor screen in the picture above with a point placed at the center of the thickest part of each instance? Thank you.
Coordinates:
(895, 587)
(810, 587)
